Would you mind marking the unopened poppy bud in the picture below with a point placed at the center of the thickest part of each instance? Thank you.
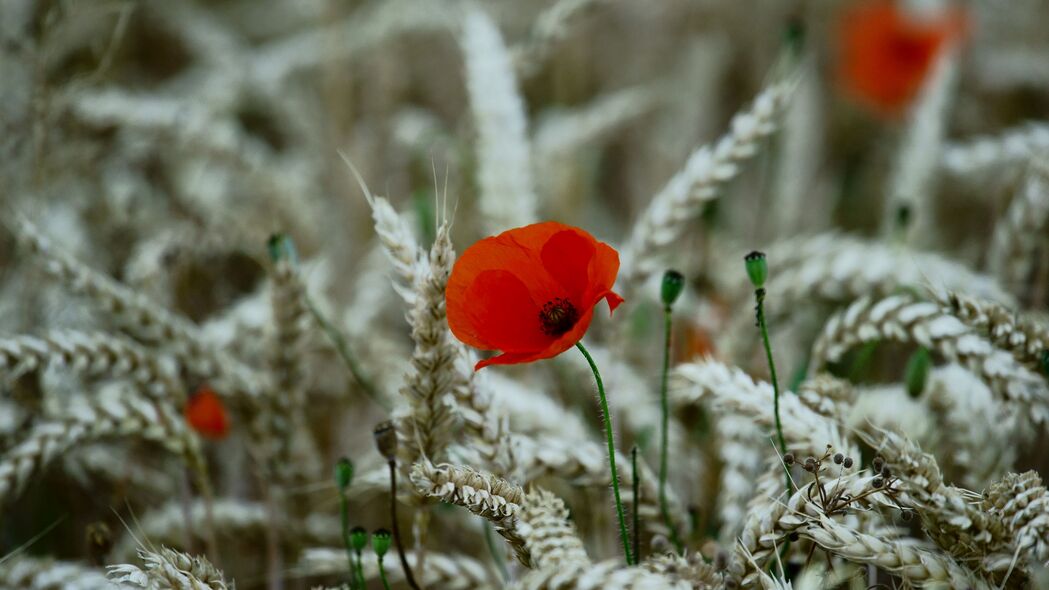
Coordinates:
(757, 268)
(358, 538)
(917, 371)
(343, 473)
(386, 439)
(673, 285)
(281, 247)
(381, 542)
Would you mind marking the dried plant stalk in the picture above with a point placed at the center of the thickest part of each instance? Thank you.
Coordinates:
(507, 194)
(483, 494)
(1014, 244)
(548, 534)
(119, 414)
(166, 569)
(902, 318)
(94, 354)
(427, 427)
(704, 174)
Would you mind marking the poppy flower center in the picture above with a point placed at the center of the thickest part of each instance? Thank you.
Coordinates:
(558, 316)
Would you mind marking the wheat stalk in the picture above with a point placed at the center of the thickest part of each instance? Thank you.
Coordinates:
(707, 170)
(547, 533)
(34, 573)
(977, 156)
(443, 570)
(900, 318)
(607, 575)
(115, 412)
(483, 494)
(1018, 233)
(1022, 335)
(94, 354)
(507, 195)
(166, 569)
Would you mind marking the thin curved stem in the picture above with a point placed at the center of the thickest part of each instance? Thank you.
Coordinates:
(382, 575)
(664, 442)
(759, 295)
(344, 516)
(396, 528)
(611, 452)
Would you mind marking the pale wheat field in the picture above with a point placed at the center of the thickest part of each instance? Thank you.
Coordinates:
(241, 286)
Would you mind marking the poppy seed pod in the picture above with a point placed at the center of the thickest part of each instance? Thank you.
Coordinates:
(386, 439)
(381, 542)
(343, 473)
(673, 285)
(757, 268)
(358, 538)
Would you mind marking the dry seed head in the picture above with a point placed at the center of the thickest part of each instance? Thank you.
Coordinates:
(386, 439)
(839, 458)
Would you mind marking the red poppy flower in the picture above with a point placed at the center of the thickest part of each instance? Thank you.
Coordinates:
(530, 292)
(206, 414)
(887, 52)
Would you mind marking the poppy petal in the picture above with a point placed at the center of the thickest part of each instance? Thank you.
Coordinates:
(503, 301)
(566, 256)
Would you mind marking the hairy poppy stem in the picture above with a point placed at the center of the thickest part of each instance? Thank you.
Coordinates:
(759, 295)
(344, 514)
(664, 441)
(636, 477)
(611, 452)
(396, 528)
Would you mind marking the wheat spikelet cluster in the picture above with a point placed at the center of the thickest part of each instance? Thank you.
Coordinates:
(228, 231)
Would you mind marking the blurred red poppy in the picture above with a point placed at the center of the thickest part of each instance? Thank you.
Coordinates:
(206, 414)
(887, 51)
(530, 292)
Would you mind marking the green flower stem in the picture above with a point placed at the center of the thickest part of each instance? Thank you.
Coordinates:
(382, 575)
(636, 478)
(611, 452)
(759, 295)
(345, 516)
(664, 441)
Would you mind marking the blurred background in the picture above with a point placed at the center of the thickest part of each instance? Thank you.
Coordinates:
(162, 143)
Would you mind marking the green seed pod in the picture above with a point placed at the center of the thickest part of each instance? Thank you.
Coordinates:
(757, 268)
(673, 285)
(917, 371)
(280, 247)
(343, 473)
(358, 538)
(381, 542)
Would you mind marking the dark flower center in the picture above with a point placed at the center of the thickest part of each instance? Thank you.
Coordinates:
(558, 316)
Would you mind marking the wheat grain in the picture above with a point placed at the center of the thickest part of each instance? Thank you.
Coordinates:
(900, 318)
(977, 156)
(1021, 334)
(547, 533)
(504, 176)
(114, 412)
(483, 494)
(607, 575)
(94, 354)
(443, 570)
(1017, 234)
(705, 172)
(166, 569)
(33, 573)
